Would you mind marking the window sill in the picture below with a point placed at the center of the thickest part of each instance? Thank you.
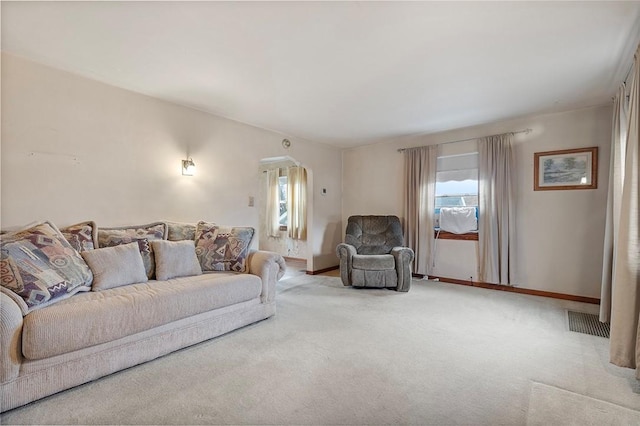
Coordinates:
(470, 236)
(283, 228)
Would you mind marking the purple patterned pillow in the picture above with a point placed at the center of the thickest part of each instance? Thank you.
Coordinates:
(177, 231)
(82, 236)
(109, 237)
(40, 267)
(223, 248)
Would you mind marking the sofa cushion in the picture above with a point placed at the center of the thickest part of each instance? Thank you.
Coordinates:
(39, 267)
(115, 266)
(109, 237)
(177, 231)
(82, 236)
(93, 318)
(374, 262)
(223, 248)
(175, 259)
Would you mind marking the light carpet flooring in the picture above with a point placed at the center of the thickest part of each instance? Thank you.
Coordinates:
(441, 354)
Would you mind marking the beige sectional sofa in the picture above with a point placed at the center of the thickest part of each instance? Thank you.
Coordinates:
(89, 334)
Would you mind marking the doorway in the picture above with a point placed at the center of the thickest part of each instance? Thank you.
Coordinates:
(296, 252)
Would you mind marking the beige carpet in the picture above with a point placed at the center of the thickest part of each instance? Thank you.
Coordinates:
(549, 405)
(440, 354)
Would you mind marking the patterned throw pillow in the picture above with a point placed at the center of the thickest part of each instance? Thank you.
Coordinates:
(180, 231)
(109, 237)
(40, 266)
(82, 236)
(222, 248)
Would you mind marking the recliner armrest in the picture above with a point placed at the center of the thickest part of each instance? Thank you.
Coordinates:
(403, 257)
(345, 253)
(345, 250)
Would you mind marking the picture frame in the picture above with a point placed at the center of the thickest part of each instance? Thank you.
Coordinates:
(566, 169)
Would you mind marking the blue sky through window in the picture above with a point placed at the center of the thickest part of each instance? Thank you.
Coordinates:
(454, 187)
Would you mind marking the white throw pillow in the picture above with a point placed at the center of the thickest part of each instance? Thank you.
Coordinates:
(175, 259)
(115, 266)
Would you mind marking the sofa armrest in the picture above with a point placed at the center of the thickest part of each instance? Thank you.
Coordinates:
(345, 253)
(403, 257)
(270, 267)
(10, 338)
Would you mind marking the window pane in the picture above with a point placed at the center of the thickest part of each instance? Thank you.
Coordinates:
(450, 201)
(455, 194)
(282, 180)
(456, 180)
(453, 187)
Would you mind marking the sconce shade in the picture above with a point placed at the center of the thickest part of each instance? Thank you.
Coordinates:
(188, 167)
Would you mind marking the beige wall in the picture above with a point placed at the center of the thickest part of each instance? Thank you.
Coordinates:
(560, 233)
(75, 149)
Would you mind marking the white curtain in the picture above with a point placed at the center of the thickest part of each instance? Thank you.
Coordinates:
(273, 203)
(625, 296)
(614, 198)
(496, 227)
(297, 202)
(420, 165)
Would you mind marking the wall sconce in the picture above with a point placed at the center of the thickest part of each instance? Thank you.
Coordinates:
(188, 167)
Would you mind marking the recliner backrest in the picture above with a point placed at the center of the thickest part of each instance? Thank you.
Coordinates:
(374, 234)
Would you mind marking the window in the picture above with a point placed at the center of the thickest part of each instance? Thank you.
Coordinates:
(282, 199)
(456, 183)
(286, 202)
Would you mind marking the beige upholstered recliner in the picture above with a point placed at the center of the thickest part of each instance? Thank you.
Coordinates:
(373, 254)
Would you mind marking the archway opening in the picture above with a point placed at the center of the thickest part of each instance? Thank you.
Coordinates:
(275, 237)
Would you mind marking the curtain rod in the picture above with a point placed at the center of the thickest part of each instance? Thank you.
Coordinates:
(525, 131)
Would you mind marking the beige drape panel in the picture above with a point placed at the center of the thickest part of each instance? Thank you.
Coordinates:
(420, 188)
(273, 203)
(625, 297)
(614, 199)
(496, 224)
(297, 202)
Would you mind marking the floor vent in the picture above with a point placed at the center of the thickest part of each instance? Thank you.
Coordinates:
(587, 324)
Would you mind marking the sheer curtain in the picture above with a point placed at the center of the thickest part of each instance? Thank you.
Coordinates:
(420, 166)
(297, 202)
(625, 296)
(614, 198)
(496, 227)
(273, 203)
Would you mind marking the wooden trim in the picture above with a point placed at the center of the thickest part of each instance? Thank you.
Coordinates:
(322, 271)
(519, 290)
(444, 235)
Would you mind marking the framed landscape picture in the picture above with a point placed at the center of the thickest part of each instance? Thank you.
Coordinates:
(566, 169)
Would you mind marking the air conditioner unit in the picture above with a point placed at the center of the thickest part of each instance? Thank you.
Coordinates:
(458, 220)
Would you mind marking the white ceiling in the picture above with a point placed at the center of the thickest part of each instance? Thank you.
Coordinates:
(344, 73)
